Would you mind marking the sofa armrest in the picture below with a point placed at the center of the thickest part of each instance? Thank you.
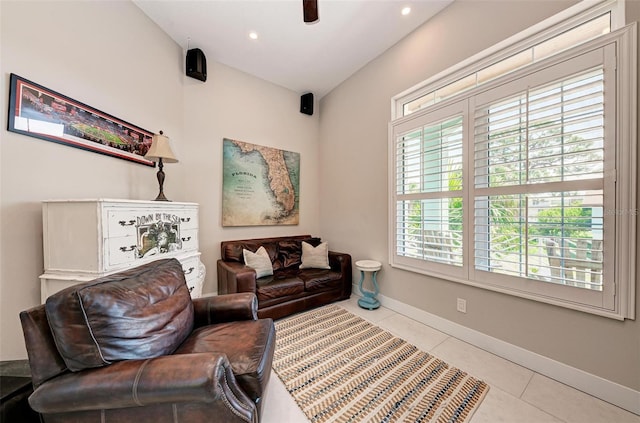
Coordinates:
(235, 277)
(225, 308)
(341, 262)
(202, 377)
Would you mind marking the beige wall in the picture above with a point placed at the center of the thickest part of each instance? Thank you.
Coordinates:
(109, 55)
(235, 105)
(354, 136)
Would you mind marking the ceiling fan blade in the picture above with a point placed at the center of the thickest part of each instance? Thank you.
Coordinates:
(310, 10)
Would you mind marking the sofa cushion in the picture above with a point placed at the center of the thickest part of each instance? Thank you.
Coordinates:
(259, 261)
(281, 285)
(290, 251)
(315, 257)
(138, 313)
(233, 251)
(316, 280)
(248, 345)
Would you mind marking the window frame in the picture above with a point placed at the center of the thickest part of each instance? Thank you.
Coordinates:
(622, 288)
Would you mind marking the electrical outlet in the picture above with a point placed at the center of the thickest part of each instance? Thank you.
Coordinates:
(461, 305)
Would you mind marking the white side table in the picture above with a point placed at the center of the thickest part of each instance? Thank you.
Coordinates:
(369, 300)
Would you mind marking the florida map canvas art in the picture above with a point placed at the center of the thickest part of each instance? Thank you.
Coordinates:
(261, 185)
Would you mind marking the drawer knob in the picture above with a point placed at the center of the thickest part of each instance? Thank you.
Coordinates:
(125, 223)
(186, 272)
(188, 238)
(185, 219)
(125, 249)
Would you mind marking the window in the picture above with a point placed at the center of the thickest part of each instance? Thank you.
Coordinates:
(429, 187)
(525, 183)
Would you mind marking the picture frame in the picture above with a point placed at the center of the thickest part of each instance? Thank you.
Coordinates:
(39, 112)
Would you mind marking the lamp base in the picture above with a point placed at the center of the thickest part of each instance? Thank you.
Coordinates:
(161, 197)
(160, 176)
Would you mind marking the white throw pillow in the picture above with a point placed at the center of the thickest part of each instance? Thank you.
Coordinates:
(259, 261)
(315, 257)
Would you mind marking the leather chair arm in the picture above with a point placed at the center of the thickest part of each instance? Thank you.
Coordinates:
(202, 377)
(225, 308)
(235, 277)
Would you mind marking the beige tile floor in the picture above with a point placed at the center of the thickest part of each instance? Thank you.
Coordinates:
(516, 395)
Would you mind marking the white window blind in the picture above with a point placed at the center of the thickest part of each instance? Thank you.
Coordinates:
(553, 133)
(551, 136)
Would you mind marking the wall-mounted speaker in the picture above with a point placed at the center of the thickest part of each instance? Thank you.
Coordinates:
(196, 64)
(306, 104)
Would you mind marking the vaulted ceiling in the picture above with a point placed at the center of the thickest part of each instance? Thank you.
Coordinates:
(302, 57)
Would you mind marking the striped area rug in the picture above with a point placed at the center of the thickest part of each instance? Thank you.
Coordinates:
(341, 368)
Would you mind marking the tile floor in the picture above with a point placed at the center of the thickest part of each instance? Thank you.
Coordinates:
(516, 395)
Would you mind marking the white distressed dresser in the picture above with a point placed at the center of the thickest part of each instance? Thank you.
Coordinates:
(88, 239)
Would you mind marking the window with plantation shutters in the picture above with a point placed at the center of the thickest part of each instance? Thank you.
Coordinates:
(526, 185)
(539, 181)
(429, 189)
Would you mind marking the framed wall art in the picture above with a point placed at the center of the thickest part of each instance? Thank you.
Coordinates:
(40, 112)
(261, 185)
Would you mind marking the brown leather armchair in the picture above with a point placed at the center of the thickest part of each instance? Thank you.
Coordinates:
(134, 347)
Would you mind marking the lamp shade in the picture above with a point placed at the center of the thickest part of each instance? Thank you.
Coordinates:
(160, 149)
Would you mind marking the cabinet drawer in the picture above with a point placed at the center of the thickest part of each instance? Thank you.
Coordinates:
(120, 251)
(121, 223)
(190, 269)
(193, 275)
(188, 218)
(189, 240)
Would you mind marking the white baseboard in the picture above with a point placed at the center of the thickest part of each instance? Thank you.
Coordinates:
(597, 386)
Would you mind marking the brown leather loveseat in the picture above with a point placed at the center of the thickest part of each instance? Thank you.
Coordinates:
(291, 288)
(134, 347)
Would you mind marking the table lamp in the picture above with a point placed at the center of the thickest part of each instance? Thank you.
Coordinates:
(160, 151)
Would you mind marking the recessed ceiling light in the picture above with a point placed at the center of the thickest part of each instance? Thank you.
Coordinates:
(406, 11)
(253, 35)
